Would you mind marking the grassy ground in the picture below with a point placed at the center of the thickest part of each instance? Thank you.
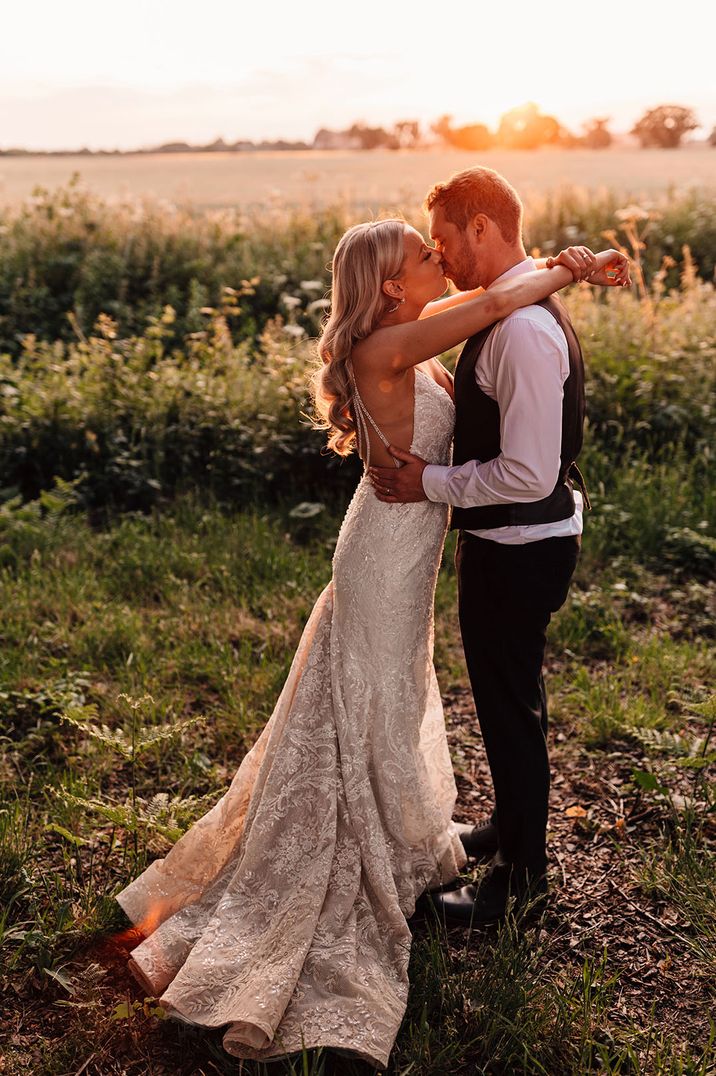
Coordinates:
(202, 609)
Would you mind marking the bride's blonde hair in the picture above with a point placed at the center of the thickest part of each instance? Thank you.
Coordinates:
(366, 256)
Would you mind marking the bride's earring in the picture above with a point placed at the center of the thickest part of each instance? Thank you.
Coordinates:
(392, 308)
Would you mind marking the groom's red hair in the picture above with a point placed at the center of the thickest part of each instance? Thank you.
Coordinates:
(479, 190)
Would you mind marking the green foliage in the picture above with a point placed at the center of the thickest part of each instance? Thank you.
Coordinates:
(127, 743)
(567, 215)
(644, 685)
(680, 868)
(131, 422)
(23, 523)
(135, 422)
(691, 553)
(169, 817)
(125, 1011)
(68, 252)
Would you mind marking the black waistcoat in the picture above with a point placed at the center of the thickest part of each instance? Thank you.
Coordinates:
(477, 434)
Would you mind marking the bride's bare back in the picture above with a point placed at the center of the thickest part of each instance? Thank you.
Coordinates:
(390, 401)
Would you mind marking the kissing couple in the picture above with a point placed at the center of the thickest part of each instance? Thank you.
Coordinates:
(282, 913)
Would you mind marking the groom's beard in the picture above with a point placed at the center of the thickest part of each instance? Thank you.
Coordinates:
(462, 271)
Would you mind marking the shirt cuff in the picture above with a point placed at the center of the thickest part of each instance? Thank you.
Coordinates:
(435, 481)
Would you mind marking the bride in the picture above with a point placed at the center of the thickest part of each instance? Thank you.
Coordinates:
(282, 912)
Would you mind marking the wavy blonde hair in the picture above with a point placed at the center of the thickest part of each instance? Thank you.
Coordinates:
(367, 255)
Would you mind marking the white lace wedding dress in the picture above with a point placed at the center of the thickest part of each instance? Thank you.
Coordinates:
(282, 912)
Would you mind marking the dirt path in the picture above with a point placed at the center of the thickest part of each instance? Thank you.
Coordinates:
(596, 825)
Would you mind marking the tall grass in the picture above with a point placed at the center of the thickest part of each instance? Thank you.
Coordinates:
(136, 420)
(68, 252)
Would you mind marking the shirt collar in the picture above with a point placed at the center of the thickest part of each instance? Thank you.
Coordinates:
(524, 266)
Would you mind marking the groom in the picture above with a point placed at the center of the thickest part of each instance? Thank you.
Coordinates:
(519, 399)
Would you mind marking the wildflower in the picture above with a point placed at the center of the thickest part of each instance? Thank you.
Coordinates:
(634, 213)
(318, 304)
(306, 510)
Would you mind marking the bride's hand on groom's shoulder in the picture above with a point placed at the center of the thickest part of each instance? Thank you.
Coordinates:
(611, 270)
(580, 261)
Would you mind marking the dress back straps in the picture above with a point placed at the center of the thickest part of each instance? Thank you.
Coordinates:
(361, 413)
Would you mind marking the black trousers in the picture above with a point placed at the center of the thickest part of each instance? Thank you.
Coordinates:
(506, 597)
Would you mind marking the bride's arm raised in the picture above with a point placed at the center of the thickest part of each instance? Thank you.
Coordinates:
(396, 348)
(448, 302)
(579, 259)
(459, 297)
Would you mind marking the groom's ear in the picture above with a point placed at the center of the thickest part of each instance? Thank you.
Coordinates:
(479, 226)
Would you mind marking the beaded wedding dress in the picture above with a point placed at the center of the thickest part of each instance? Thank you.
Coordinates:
(281, 913)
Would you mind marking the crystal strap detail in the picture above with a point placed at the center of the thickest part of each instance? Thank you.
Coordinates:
(362, 413)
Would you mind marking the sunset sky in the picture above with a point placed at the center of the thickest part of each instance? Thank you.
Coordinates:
(104, 75)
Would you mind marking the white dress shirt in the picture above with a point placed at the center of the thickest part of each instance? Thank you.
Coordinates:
(522, 366)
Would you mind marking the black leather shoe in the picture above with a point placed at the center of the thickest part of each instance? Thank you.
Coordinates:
(480, 842)
(461, 906)
(487, 903)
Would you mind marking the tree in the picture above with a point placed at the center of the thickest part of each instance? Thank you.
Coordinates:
(173, 147)
(473, 136)
(526, 128)
(664, 127)
(712, 138)
(596, 135)
(372, 137)
(442, 127)
(565, 139)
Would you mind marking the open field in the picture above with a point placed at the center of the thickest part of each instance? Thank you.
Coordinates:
(373, 180)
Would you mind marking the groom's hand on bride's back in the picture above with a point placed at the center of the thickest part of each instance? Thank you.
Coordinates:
(399, 485)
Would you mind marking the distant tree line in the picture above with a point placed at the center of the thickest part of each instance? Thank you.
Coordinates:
(217, 146)
(524, 127)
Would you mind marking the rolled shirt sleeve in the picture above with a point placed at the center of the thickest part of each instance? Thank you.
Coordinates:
(525, 372)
